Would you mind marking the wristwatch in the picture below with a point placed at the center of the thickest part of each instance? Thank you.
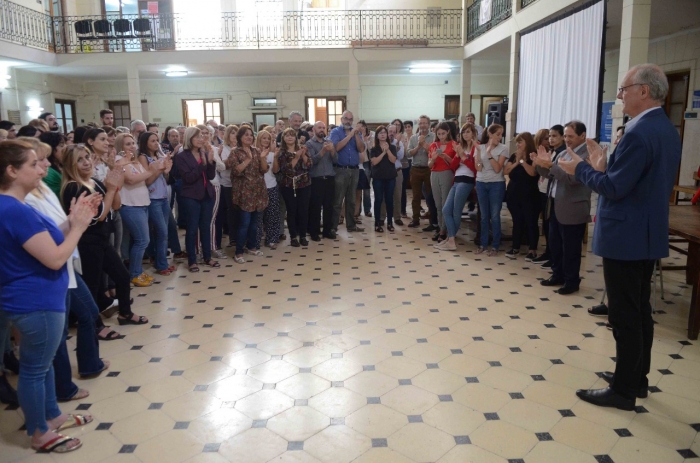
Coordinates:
(522, 162)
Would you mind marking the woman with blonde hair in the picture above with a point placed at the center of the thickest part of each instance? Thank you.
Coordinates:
(270, 218)
(248, 168)
(197, 168)
(99, 256)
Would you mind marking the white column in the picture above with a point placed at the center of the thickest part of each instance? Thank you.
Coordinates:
(513, 81)
(634, 43)
(353, 101)
(465, 97)
(132, 75)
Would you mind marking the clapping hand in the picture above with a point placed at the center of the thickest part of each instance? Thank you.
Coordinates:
(81, 213)
(570, 166)
(115, 179)
(597, 155)
(168, 164)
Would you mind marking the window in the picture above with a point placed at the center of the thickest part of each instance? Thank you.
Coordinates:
(264, 118)
(200, 111)
(65, 115)
(264, 101)
(122, 113)
(326, 109)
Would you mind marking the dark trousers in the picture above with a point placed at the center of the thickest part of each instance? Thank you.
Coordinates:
(420, 176)
(225, 216)
(181, 214)
(102, 259)
(406, 186)
(629, 289)
(565, 242)
(430, 202)
(297, 210)
(383, 192)
(322, 191)
(545, 222)
(198, 215)
(524, 210)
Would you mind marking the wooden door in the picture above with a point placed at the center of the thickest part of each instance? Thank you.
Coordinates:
(675, 105)
(451, 106)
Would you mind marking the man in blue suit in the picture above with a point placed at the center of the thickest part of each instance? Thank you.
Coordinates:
(631, 232)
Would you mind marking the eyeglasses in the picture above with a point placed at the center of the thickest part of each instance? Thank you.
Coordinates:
(622, 89)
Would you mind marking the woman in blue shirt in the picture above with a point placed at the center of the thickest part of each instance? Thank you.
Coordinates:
(34, 256)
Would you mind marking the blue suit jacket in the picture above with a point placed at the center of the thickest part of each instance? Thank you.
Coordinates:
(632, 218)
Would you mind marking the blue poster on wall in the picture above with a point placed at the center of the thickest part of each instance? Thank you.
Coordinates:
(606, 122)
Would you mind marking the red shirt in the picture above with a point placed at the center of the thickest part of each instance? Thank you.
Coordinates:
(469, 161)
(440, 163)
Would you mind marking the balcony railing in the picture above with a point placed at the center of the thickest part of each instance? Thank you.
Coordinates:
(524, 3)
(500, 11)
(290, 29)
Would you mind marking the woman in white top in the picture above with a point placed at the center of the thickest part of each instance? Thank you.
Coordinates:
(464, 178)
(135, 201)
(214, 231)
(491, 186)
(270, 218)
(226, 214)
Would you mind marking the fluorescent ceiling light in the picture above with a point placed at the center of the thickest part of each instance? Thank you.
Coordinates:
(176, 73)
(430, 70)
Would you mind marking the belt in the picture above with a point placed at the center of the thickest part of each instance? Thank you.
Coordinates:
(324, 177)
(346, 167)
(419, 167)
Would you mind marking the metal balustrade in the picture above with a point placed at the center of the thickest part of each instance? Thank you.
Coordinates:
(230, 30)
(500, 11)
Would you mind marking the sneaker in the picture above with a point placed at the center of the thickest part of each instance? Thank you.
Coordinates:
(531, 256)
(219, 254)
(547, 264)
(513, 253)
(141, 282)
(541, 259)
(148, 277)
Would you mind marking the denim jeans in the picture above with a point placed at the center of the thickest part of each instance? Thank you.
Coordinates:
(36, 390)
(383, 192)
(452, 211)
(158, 217)
(491, 196)
(135, 219)
(198, 214)
(247, 230)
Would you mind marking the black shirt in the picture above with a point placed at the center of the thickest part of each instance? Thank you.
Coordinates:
(385, 169)
(521, 183)
(98, 232)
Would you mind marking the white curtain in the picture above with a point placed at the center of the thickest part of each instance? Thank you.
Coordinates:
(559, 76)
(484, 12)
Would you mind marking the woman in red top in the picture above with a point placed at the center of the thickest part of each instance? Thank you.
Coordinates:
(441, 152)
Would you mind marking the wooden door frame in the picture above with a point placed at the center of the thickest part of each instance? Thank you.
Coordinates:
(203, 100)
(459, 99)
(71, 103)
(306, 105)
(111, 104)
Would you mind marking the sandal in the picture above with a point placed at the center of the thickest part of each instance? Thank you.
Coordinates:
(74, 421)
(164, 272)
(379, 229)
(58, 445)
(239, 259)
(390, 228)
(130, 321)
(80, 395)
(110, 336)
(254, 252)
(212, 263)
(194, 268)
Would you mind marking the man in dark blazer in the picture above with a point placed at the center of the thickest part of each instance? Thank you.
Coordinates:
(631, 231)
(569, 211)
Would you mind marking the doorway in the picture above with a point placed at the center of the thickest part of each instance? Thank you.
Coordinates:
(197, 112)
(675, 104)
(122, 113)
(451, 106)
(65, 115)
(326, 109)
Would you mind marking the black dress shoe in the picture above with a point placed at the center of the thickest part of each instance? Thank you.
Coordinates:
(552, 282)
(8, 395)
(315, 238)
(607, 376)
(430, 228)
(566, 290)
(295, 243)
(399, 222)
(414, 224)
(600, 310)
(605, 398)
(331, 235)
(303, 241)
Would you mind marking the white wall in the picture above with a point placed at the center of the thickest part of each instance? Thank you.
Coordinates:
(37, 5)
(678, 52)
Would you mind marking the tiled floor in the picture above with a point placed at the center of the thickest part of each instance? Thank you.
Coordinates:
(377, 348)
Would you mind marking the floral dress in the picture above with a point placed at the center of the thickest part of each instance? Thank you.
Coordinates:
(248, 189)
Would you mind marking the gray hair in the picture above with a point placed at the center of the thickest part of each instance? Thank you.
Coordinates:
(122, 129)
(136, 122)
(653, 77)
(296, 113)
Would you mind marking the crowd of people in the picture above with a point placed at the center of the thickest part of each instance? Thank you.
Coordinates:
(82, 211)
